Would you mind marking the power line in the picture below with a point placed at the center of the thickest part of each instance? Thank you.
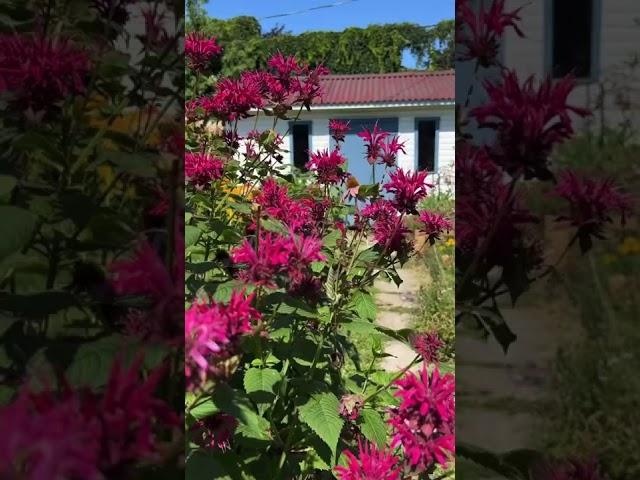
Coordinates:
(319, 7)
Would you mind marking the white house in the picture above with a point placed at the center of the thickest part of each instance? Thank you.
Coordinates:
(416, 106)
(597, 40)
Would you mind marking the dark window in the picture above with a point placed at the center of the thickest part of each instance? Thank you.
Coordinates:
(427, 145)
(300, 134)
(572, 38)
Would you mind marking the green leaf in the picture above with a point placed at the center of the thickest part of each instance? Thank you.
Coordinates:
(321, 414)
(136, 164)
(261, 380)
(7, 184)
(207, 466)
(17, 229)
(373, 427)
(515, 464)
(368, 191)
(36, 305)
(191, 235)
(93, 361)
(204, 410)
(233, 402)
(360, 326)
(363, 304)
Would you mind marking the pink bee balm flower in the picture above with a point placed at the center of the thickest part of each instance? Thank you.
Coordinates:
(424, 423)
(434, 225)
(328, 166)
(212, 332)
(408, 189)
(389, 230)
(428, 345)
(529, 121)
(573, 469)
(200, 51)
(592, 203)
(264, 262)
(374, 140)
(285, 67)
(479, 34)
(370, 464)
(216, 431)
(201, 168)
(234, 98)
(303, 251)
(338, 130)
(41, 444)
(389, 151)
(350, 406)
(41, 71)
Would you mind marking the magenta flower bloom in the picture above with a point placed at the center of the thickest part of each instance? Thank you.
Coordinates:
(327, 166)
(350, 406)
(592, 203)
(201, 168)
(374, 140)
(285, 67)
(428, 345)
(303, 251)
(389, 151)
(480, 34)
(212, 332)
(573, 469)
(389, 231)
(84, 434)
(41, 71)
(215, 432)
(408, 189)
(234, 98)
(424, 423)
(200, 51)
(370, 464)
(529, 122)
(40, 444)
(338, 130)
(264, 263)
(434, 225)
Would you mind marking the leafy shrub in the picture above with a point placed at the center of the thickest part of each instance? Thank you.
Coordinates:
(279, 272)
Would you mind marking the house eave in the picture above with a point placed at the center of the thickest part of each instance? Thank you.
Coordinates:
(378, 105)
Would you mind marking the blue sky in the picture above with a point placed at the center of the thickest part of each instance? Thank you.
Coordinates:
(352, 13)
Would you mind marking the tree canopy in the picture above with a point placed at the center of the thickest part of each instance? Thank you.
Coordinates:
(374, 49)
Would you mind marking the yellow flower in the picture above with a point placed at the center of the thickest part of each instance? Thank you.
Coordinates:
(629, 246)
(451, 242)
(608, 259)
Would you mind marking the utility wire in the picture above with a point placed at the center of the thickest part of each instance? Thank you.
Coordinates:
(319, 7)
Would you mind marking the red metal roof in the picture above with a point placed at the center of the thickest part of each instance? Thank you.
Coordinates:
(388, 87)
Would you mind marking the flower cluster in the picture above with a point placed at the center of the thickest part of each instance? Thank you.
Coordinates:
(528, 120)
(200, 51)
(201, 168)
(84, 434)
(302, 215)
(338, 130)
(212, 332)
(371, 463)
(428, 345)
(327, 166)
(287, 83)
(424, 423)
(41, 71)
(434, 225)
(479, 34)
(408, 189)
(592, 203)
(389, 230)
(215, 432)
(350, 406)
(276, 255)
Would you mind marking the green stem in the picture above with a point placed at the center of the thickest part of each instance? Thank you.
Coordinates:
(395, 377)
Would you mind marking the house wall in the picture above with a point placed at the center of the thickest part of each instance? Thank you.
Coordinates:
(619, 41)
(320, 138)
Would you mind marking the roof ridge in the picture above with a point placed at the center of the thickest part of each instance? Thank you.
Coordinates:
(434, 73)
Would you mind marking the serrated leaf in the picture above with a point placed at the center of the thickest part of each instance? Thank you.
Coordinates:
(363, 304)
(373, 427)
(261, 380)
(7, 184)
(233, 402)
(321, 414)
(191, 235)
(17, 228)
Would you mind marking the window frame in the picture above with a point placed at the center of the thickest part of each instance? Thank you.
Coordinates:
(436, 146)
(307, 123)
(596, 24)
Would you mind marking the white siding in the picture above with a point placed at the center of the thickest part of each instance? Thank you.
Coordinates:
(406, 125)
(619, 41)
